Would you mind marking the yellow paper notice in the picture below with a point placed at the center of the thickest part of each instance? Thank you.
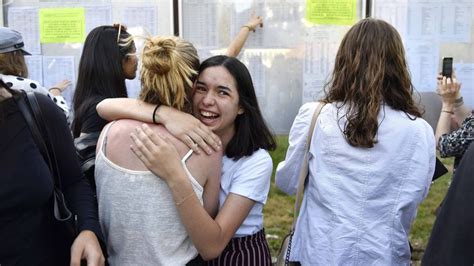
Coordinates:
(59, 25)
(335, 12)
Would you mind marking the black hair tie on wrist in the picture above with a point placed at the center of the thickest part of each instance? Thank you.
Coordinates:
(154, 113)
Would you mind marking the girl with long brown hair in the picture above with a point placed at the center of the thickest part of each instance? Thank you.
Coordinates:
(371, 157)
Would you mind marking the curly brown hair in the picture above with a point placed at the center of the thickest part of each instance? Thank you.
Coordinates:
(370, 70)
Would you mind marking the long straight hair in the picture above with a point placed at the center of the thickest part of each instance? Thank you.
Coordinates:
(100, 70)
(251, 132)
(370, 70)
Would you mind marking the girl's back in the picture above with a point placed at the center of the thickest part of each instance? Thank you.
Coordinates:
(361, 201)
(136, 209)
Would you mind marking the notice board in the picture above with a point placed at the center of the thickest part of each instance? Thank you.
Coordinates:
(430, 31)
(289, 58)
(54, 32)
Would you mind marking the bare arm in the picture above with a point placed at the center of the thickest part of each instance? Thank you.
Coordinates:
(210, 195)
(121, 108)
(58, 89)
(208, 235)
(449, 90)
(461, 112)
(184, 126)
(239, 40)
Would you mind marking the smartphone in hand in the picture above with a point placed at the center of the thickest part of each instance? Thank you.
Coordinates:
(447, 70)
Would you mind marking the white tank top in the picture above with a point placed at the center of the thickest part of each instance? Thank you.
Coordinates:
(139, 217)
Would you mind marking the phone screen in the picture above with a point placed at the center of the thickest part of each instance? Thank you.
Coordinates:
(447, 67)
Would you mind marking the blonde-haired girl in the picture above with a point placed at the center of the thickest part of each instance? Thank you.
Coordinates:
(136, 210)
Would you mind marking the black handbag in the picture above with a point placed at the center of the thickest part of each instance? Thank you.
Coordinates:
(65, 227)
(85, 149)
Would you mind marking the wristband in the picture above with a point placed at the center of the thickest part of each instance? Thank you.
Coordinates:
(54, 88)
(154, 113)
(459, 101)
(447, 111)
(248, 27)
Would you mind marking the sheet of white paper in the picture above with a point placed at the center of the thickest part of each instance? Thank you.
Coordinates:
(140, 20)
(133, 87)
(455, 22)
(423, 64)
(240, 17)
(320, 49)
(204, 54)
(254, 62)
(97, 16)
(394, 13)
(312, 88)
(25, 20)
(281, 23)
(202, 29)
(35, 67)
(443, 20)
(58, 68)
(422, 21)
(465, 75)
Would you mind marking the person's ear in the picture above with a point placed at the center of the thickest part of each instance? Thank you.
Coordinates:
(241, 110)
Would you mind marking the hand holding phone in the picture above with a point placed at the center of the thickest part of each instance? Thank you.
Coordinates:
(447, 70)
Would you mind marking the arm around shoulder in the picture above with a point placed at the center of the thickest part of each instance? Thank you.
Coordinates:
(114, 108)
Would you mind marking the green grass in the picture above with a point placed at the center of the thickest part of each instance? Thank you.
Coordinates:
(278, 211)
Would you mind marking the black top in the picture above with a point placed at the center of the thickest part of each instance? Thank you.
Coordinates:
(92, 122)
(26, 185)
(456, 142)
(452, 239)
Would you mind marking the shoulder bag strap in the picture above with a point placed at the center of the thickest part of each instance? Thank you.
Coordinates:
(38, 115)
(31, 111)
(25, 109)
(304, 166)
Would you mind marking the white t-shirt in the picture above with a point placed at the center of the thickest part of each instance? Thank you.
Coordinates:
(248, 177)
(19, 83)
